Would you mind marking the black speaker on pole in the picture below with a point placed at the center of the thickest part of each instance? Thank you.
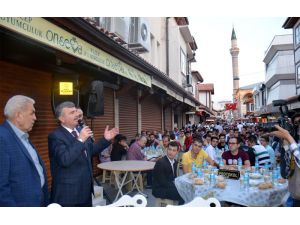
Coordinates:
(93, 100)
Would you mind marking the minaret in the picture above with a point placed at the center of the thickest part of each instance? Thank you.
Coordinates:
(234, 51)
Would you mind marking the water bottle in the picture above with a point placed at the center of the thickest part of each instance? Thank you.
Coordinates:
(266, 169)
(221, 164)
(256, 166)
(159, 150)
(240, 164)
(278, 171)
(198, 172)
(204, 164)
(212, 179)
(277, 175)
(246, 181)
(274, 177)
(152, 148)
(242, 182)
(193, 168)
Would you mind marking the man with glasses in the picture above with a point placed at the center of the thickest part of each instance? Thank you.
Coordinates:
(230, 158)
(195, 155)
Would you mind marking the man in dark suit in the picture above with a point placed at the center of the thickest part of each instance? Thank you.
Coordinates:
(164, 174)
(23, 180)
(70, 155)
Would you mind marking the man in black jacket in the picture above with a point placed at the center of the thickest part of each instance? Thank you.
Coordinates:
(164, 174)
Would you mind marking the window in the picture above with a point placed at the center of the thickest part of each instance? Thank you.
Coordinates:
(262, 98)
(297, 35)
(251, 107)
(298, 75)
(182, 62)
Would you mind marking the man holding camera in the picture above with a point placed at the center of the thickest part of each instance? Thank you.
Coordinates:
(292, 159)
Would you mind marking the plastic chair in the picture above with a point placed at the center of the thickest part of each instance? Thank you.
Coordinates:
(160, 202)
(54, 205)
(198, 201)
(128, 201)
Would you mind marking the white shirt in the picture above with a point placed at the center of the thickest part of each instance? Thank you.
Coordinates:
(70, 130)
(172, 164)
(211, 152)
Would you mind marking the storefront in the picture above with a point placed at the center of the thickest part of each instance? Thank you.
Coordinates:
(37, 54)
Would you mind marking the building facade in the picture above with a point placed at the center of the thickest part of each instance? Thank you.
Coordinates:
(279, 78)
(38, 55)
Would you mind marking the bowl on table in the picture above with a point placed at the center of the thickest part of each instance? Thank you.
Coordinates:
(255, 175)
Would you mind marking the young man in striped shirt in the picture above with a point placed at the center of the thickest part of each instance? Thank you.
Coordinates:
(261, 154)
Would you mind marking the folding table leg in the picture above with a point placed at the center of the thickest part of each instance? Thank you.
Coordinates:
(119, 184)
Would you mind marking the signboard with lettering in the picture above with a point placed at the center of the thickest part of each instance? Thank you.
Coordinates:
(47, 33)
(231, 174)
(65, 88)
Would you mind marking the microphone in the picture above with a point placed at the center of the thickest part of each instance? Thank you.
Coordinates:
(81, 124)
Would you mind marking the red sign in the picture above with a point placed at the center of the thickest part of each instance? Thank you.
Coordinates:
(230, 106)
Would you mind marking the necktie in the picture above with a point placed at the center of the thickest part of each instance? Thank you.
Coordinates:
(172, 166)
(74, 134)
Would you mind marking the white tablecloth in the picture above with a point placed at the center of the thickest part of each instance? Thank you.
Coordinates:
(232, 193)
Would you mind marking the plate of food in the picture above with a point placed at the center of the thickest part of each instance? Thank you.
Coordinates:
(221, 185)
(255, 175)
(281, 180)
(220, 178)
(198, 181)
(254, 183)
(192, 175)
(265, 185)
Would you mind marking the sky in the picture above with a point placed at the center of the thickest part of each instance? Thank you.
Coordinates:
(213, 38)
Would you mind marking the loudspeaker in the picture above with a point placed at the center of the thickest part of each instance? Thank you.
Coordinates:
(93, 103)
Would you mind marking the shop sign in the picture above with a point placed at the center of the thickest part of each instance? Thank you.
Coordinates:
(49, 34)
(65, 88)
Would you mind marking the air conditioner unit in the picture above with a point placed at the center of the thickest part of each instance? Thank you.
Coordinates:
(139, 37)
(189, 89)
(189, 80)
(119, 26)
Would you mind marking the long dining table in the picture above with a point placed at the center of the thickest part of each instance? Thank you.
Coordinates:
(252, 196)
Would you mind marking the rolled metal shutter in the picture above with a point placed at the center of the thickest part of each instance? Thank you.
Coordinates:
(128, 114)
(151, 113)
(168, 118)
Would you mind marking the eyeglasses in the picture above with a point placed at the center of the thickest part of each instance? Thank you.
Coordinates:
(232, 143)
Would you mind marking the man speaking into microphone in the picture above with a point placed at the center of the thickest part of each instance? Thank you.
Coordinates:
(70, 153)
(81, 122)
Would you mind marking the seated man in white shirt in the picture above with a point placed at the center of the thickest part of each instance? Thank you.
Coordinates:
(210, 149)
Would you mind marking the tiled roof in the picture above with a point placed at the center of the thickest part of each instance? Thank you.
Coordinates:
(206, 87)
